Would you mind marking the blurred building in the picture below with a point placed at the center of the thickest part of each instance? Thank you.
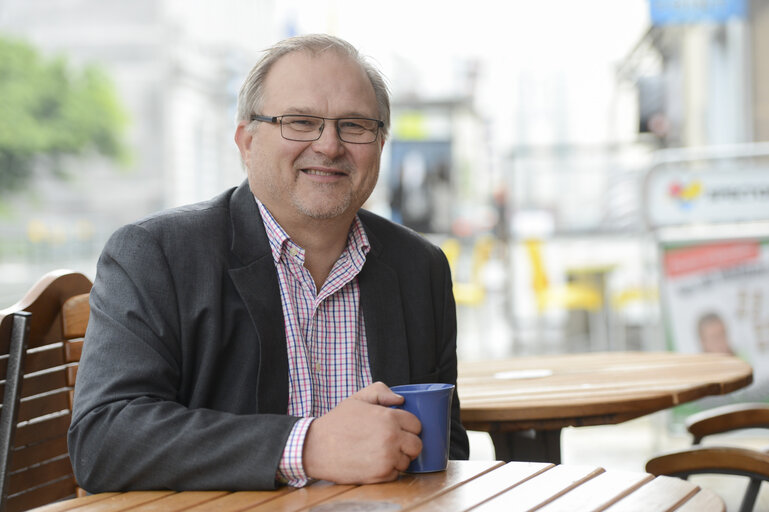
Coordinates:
(440, 178)
(701, 73)
(177, 67)
(179, 91)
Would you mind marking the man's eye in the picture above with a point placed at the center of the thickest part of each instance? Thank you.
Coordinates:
(352, 126)
(305, 124)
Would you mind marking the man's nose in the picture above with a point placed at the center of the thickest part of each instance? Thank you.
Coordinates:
(329, 142)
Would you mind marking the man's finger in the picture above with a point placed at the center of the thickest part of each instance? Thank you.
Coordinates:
(408, 421)
(411, 446)
(378, 394)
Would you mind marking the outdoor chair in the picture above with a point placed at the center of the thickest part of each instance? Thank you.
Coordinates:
(727, 418)
(727, 460)
(36, 469)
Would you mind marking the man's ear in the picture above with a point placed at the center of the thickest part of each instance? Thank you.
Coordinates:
(243, 139)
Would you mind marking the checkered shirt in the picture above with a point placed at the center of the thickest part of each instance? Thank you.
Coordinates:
(325, 334)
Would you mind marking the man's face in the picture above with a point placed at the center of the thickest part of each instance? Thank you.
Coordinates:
(326, 178)
(713, 337)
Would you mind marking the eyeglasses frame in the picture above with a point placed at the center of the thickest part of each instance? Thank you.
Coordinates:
(279, 120)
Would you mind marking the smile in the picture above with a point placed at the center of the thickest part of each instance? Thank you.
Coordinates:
(316, 172)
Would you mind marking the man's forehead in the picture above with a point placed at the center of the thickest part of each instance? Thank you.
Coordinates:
(302, 75)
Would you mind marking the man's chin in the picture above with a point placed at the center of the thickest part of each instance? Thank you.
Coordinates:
(324, 210)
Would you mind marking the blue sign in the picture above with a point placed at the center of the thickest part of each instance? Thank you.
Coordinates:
(679, 12)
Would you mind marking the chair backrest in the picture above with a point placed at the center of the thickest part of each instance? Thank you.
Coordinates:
(723, 460)
(39, 471)
(727, 418)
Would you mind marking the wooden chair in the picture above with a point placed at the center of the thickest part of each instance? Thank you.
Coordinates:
(38, 467)
(727, 418)
(725, 460)
(729, 460)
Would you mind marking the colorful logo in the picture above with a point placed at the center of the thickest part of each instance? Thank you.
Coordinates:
(685, 194)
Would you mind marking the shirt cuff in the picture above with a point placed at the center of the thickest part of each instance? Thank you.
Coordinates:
(291, 467)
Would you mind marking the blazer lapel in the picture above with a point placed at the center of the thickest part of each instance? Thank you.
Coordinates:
(257, 284)
(383, 314)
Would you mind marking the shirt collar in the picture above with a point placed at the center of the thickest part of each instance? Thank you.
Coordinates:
(357, 241)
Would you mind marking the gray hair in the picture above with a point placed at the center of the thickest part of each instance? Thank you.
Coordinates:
(252, 91)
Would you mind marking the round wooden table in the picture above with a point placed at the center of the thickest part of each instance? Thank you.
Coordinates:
(524, 402)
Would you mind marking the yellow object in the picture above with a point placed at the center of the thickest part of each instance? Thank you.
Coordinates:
(566, 296)
(634, 294)
(472, 292)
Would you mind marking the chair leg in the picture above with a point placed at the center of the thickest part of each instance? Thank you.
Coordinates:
(11, 396)
(749, 500)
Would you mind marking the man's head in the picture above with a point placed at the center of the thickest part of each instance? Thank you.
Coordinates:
(252, 91)
(712, 333)
(326, 178)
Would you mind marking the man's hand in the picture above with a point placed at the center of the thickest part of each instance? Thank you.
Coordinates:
(362, 440)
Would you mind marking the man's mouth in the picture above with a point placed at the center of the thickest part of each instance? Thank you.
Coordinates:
(317, 172)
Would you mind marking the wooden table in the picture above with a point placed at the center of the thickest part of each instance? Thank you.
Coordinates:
(525, 402)
(516, 486)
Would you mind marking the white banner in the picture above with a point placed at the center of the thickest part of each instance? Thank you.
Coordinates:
(717, 299)
(681, 196)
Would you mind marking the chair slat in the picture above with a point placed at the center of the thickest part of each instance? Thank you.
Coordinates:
(44, 357)
(64, 488)
(39, 431)
(47, 472)
(37, 453)
(44, 382)
(40, 405)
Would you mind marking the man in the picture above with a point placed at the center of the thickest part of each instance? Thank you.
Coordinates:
(250, 340)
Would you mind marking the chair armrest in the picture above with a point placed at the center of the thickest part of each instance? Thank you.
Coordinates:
(723, 460)
(728, 418)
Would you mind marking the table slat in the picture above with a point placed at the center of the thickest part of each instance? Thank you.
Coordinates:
(480, 489)
(180, 501)
(411, 490)
(127, 501)
(241, 500)
(542, 489)
(663, 494)
(303, 498)
(599, 492)
(703, 501)
(63, 506)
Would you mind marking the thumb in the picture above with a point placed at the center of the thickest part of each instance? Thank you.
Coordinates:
(378, 394)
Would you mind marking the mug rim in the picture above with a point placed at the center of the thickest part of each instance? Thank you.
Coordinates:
(417, 388)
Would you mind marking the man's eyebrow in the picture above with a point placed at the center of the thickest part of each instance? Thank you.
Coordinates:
(310, 112)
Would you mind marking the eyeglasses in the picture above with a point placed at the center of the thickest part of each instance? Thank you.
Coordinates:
(355, 130)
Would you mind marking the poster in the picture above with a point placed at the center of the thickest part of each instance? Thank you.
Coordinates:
(717, 299)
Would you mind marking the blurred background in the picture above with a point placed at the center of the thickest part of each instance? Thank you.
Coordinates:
(595, 171)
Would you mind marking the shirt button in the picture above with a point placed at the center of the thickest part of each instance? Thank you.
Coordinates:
(317, 367)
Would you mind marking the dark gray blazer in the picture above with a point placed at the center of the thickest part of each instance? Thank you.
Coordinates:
(183, 382)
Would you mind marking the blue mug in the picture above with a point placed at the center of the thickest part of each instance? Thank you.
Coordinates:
(431, 403)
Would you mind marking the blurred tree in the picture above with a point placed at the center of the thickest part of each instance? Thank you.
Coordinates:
(49, 110)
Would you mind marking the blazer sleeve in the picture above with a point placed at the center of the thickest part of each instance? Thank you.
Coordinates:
(129, 429)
